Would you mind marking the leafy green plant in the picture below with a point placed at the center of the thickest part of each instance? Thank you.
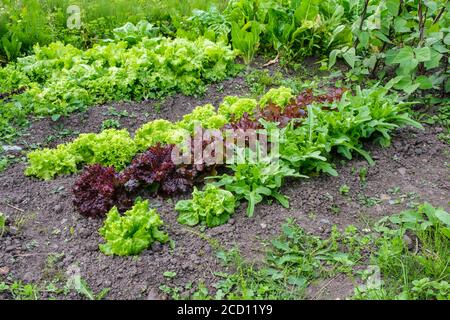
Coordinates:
(43, 22)
(280, 96)
(169, 274)
(246, 39)
(362, 173)
(423, 218)
(409, 37)
(134, 33)
(234, 107)
(3, 163)
(256, 177)
(80, 286)
(205, 116)
(425, 289)
(344, 189)
(133, 232)
(158, 131)
(412, 256)
(213, 205)
(21, 291)
(294, 260)
(342, 126)
(259, 80)
(110, 124)
(110, 148)
(11, 45)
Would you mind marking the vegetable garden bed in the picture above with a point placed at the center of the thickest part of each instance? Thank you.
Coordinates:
(207, 154)
(51, 229)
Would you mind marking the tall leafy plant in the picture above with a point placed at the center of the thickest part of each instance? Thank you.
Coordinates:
(404, 41)
(246, 39)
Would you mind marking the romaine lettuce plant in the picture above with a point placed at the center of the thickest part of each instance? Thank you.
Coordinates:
(254, 180)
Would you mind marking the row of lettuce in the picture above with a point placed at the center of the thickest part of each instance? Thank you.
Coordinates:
(59, 79)
(312, 128)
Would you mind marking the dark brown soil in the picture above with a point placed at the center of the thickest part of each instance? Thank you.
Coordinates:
(43, 222)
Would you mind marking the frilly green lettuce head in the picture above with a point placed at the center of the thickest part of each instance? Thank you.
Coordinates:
(234, 106)
(213, 206)
(204, 116)
(159, 131)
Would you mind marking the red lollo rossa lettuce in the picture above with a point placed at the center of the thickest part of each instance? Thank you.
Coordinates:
(97, 190)
(296, 109)
(155, 166)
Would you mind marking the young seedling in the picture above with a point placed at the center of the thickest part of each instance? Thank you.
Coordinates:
(344, 189)
(363, 175)
(169, 274)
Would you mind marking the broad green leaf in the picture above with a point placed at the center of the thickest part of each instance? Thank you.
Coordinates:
(350, 57)
(434, 61)
(308, 10)
(363, 37)
(393, 6)
(404, 55)
(332, 58)
(424, 82)
(443, 216)
(300, 282)
(447, 39)
(393, 82)
(429, 211)
(401, 25)
(281, 199)
(422, 54)
(380, 35)
(407, 85)
(390, 56)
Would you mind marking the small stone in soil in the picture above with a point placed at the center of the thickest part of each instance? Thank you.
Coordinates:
(4, 270)
(10, 248)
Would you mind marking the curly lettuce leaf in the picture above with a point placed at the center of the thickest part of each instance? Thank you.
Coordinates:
(133, 232)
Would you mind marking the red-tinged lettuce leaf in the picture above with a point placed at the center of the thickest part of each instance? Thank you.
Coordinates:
(156, 167)
(97, 190)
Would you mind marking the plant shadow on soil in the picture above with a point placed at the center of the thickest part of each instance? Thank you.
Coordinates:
(43, 222)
